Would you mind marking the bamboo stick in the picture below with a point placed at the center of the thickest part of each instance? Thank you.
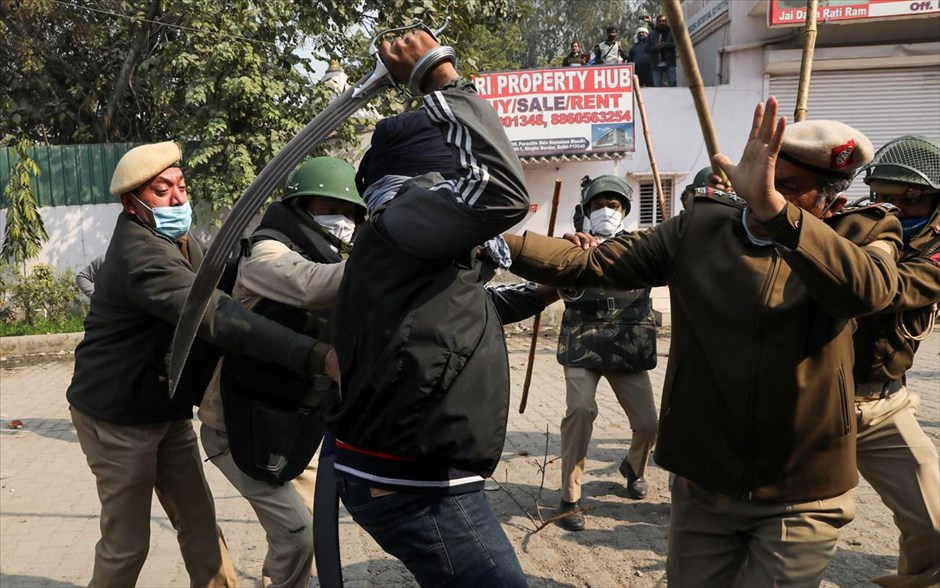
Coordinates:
(649, 148)
(806, 64)
(537, 321)
(690, 65)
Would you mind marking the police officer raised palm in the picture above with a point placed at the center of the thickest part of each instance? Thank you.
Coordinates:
(755, 421)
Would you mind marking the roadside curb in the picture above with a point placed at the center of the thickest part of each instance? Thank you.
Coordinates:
(35, 344)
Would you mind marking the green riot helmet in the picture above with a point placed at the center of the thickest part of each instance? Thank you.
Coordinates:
(912, 161)
(328, 177)
(606, 185)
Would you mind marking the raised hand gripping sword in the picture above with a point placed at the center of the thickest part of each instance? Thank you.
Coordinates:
(273, 174)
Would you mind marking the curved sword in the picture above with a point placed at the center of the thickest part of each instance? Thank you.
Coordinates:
(273, 174)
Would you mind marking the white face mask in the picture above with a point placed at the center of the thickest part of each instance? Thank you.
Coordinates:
(604, 222)
(337, 225)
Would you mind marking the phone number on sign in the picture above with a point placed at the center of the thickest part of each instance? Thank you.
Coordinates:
(523, 120)
(565, 118)
(574, 118)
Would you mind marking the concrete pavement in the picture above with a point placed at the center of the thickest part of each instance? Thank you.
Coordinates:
(49, 506)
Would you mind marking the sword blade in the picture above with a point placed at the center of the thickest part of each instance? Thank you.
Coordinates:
(273, 174)
(326, 549)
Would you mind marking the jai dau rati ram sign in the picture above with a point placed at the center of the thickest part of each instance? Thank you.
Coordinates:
(793, 12)
(571, 110)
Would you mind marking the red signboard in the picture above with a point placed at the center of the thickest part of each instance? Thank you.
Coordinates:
(583, 109)
(793, 12)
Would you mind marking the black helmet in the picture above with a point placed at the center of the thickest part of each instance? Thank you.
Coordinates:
(701, 178)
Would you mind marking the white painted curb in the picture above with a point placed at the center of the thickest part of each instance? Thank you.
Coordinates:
(32, 344)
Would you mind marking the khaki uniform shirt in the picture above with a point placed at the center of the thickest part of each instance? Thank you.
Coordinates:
(884, 350)
(759, 382)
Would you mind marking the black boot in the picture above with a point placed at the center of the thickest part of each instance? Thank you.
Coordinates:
(636, 485)
(573, 521)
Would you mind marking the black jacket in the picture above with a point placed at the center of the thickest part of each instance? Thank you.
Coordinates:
(640, 57)
(121, 365)
(425, 376)
(668, 51)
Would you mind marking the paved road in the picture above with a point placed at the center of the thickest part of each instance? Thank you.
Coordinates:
(49, 506)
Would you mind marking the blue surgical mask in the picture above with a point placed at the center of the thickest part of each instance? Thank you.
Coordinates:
(911, 225)
(171, 221)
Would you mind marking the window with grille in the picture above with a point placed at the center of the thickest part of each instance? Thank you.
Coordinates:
(650, 213)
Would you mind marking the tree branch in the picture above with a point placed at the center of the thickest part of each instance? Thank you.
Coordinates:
(124, 76)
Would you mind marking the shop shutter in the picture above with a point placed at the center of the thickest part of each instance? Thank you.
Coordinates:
(882, 103)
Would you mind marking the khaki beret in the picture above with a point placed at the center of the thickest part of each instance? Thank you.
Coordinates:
(142, 163)
(826, 146)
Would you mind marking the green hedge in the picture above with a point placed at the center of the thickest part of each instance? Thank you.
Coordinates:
(39, 301)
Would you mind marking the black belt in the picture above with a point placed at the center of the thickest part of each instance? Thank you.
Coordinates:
(877, 390)
(608, 303)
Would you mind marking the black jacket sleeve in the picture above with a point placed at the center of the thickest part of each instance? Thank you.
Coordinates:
(158, 281)
(515, 302)
(488, 196)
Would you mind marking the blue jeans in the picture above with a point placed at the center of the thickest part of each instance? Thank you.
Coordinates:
(664, 76)
(443, 540)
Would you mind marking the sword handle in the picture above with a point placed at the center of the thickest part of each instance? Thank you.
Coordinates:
(414, 25)
(380, 76)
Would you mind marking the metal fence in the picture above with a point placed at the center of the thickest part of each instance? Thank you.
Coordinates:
(71, 174)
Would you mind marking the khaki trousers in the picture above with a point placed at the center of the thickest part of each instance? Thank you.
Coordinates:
(635, 394)
(130, 462)
(716, 540)
(901, 463)
(284, 511)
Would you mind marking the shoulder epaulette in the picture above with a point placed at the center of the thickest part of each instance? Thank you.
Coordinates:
(882, 208)
(726, 198)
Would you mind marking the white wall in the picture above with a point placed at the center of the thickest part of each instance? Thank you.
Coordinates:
(677, 141)
(77, 234)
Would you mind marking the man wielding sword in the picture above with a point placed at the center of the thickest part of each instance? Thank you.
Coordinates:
(425, 375)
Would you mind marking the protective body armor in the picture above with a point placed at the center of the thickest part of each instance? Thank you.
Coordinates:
(885, 343)
(274, 417)
(608, 330)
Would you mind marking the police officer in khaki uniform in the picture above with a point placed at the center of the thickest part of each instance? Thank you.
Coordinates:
(610, 334)
(138, 440)
(755, 420)
(894, 454)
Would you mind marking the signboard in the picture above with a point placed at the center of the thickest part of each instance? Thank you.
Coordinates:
(570, 110)
(793, 12)
(699, 14)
